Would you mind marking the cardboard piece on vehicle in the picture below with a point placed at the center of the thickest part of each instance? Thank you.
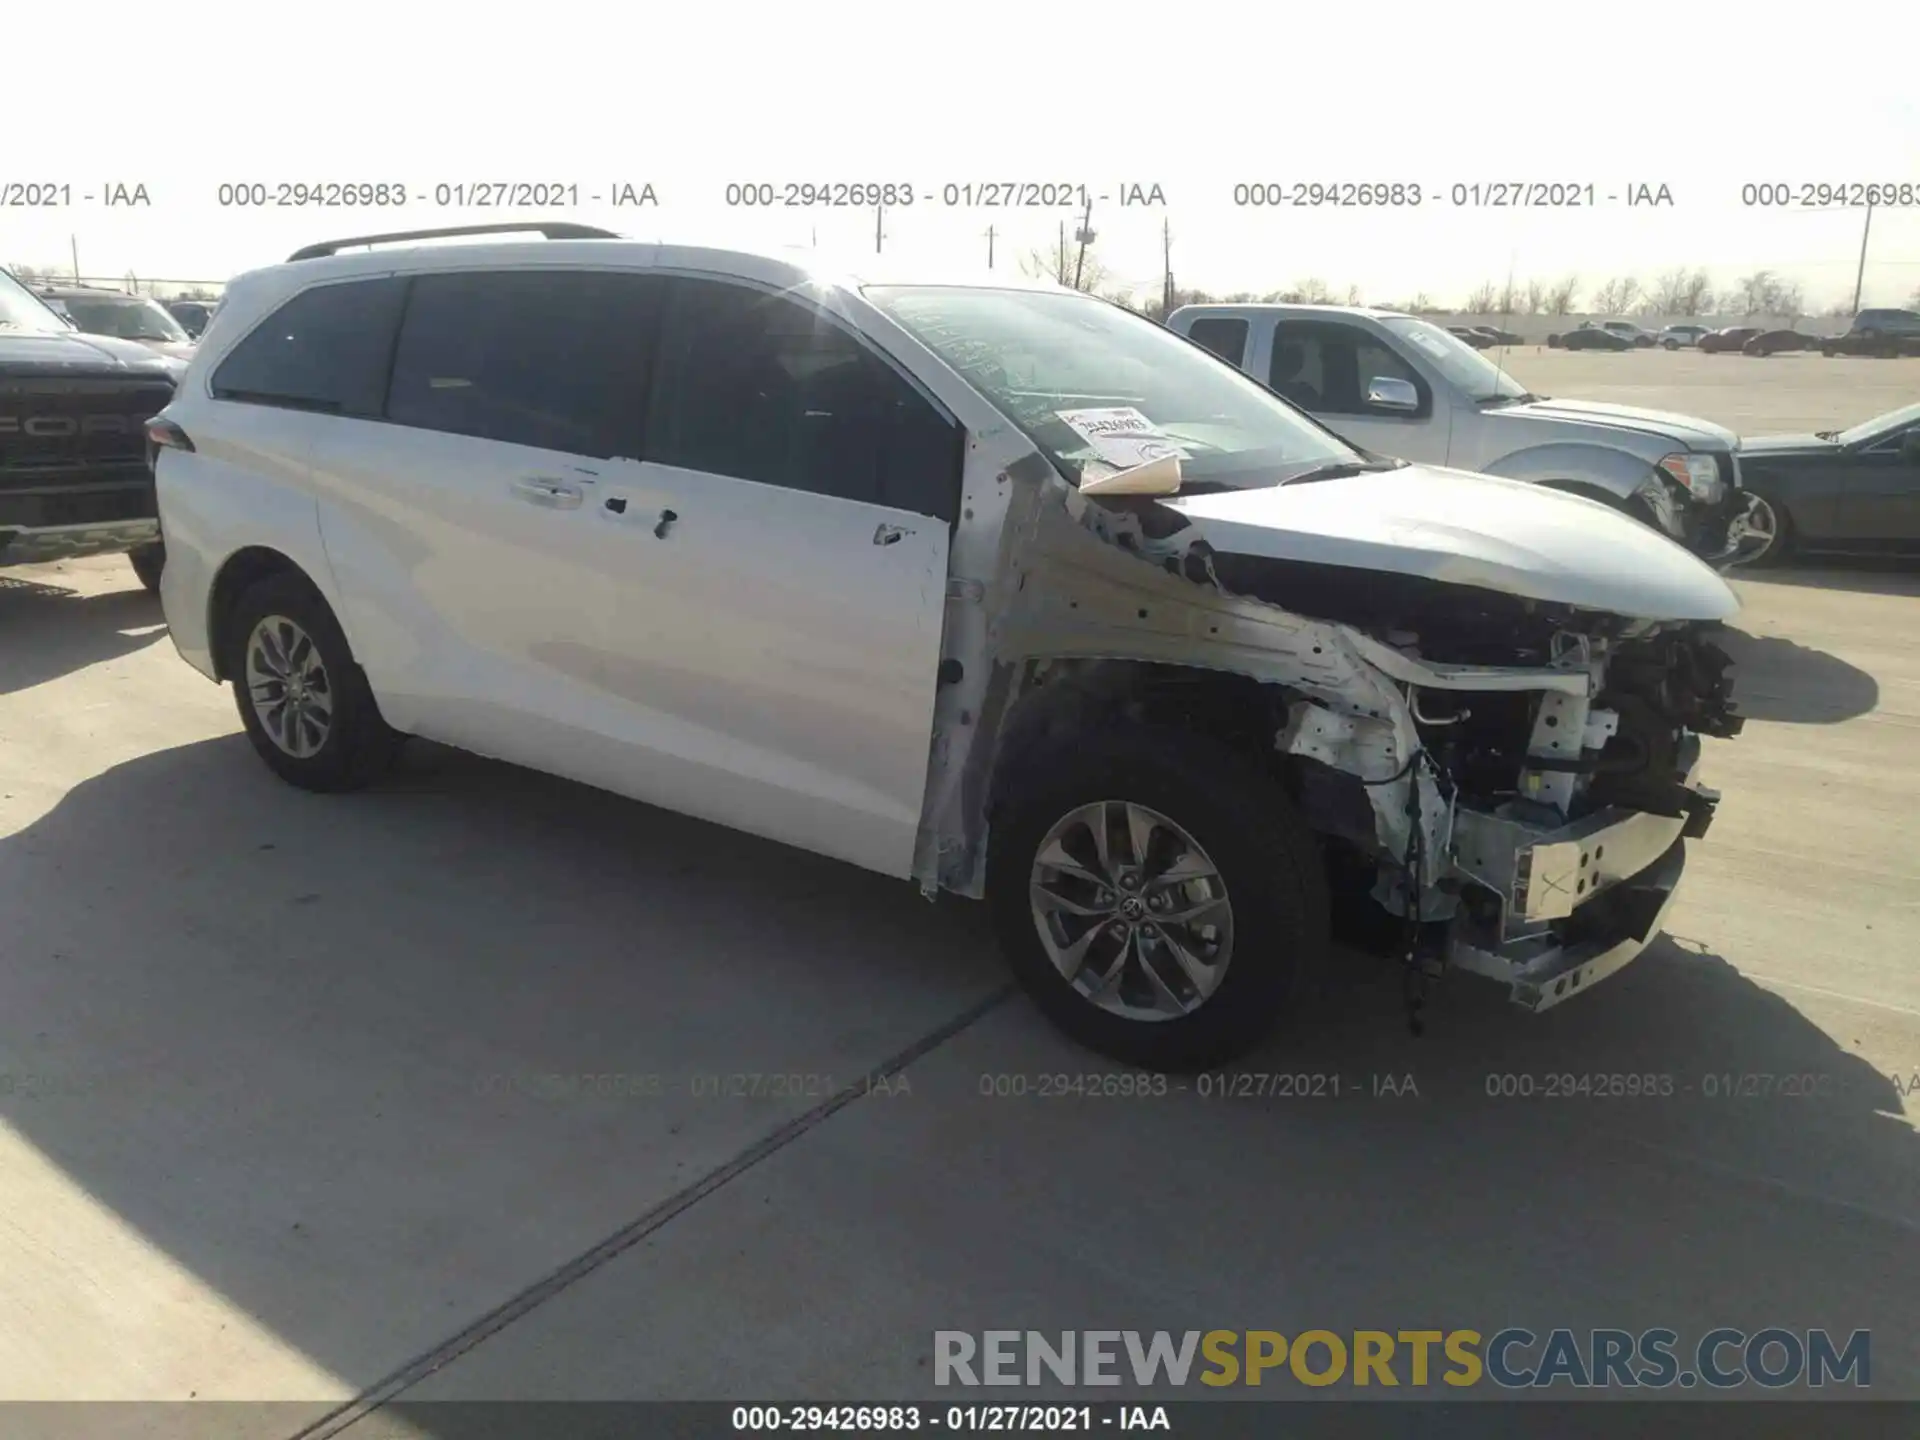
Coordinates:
(1156, 477)
(1143, 460)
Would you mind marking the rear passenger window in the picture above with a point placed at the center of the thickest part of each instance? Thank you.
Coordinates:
(555, 359)
(761, 387)
(325, 349)
(1223, 335)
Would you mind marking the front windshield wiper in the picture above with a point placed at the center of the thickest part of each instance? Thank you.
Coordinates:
(1523, 397)
(1343, 470)
(1826, 434)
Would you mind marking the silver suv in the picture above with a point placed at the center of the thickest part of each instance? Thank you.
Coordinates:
(1399, 385)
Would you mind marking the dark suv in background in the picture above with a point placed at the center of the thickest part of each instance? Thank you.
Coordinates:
(75, 478)
(193, 315)
(1878, 332)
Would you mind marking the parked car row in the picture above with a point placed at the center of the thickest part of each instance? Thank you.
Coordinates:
(1485, 337)
(1873, 332)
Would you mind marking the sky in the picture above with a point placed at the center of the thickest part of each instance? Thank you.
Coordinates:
(1197, 99)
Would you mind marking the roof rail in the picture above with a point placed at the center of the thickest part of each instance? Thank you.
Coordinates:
(551, 229)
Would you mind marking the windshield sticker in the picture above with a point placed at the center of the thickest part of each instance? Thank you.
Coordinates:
(1121, 437)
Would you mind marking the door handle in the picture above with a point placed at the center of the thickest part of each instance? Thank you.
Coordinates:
(554, 494)
(667, 517)
(889, 534)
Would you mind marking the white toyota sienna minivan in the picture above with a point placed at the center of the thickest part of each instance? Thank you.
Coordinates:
(991, 586)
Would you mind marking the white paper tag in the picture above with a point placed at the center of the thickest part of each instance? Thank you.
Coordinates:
(1121, 437)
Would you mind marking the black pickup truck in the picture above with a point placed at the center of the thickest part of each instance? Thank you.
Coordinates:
(74, 472)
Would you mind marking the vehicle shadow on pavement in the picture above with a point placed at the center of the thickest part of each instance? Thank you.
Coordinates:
(367, 1065)
(336, 1058)
(1780, 679)
(1867, 576)
(47, 631)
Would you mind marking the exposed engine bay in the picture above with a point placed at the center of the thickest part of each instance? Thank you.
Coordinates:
(1517, 775)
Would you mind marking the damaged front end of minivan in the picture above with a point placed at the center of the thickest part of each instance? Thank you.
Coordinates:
(1500, 741)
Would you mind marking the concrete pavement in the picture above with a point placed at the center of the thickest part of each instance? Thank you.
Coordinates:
(296, 1107)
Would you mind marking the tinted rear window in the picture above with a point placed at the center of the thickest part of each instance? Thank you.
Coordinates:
(325, 349)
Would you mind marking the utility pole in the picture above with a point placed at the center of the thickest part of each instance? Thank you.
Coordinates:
(879, 214)
(990, 247)
(1166, 262)
(1060, 258)
(1085, 236)
(73, 242)
(1860, 275)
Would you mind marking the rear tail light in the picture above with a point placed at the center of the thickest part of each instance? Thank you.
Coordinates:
(163, 434)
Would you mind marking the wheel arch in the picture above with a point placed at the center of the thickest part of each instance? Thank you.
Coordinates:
(1581, 466)
(238, 573)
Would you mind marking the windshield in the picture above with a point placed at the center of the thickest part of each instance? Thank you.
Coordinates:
(1036, 354)
(20, 309)
(1880, 425)
(128, 318)
(1464, 367)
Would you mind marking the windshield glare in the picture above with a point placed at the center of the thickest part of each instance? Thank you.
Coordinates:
(20, 309)
(1465, 367)
(1881, 425)
(1035, 353)
(126, 319)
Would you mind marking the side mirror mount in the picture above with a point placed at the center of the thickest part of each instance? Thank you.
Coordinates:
(1386, 393)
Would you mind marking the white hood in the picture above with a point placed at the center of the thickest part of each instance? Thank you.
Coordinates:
(1467, 529)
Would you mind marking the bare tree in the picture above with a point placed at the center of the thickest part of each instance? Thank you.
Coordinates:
(1311, 291)
(1484, 299)
(1534, 299)
(1353, 294)
(1913, 300)
(1617, 296)
(1670, 291)
(1697, 298)
(1421, 303)
(1789, 299)
(1561, 295)
(1066, 266)
(1753, 292)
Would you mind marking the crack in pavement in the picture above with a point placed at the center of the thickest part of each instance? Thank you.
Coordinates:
(497, 1319)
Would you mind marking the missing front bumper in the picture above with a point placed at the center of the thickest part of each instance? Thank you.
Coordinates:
(1601, 938)
(1572, 905)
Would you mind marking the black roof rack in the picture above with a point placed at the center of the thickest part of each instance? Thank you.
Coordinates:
(551, 229)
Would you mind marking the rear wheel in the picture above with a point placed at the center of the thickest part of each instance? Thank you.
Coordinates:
(1157, 895)
(305, 703)
(148, 561)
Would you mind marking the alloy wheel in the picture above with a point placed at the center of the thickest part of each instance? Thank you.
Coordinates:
(1132, 912)
(1761, 532)
(288, 685)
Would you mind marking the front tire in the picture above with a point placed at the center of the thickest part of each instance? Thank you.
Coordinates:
(305, 703)
(1779, 527)
(1157, 895)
